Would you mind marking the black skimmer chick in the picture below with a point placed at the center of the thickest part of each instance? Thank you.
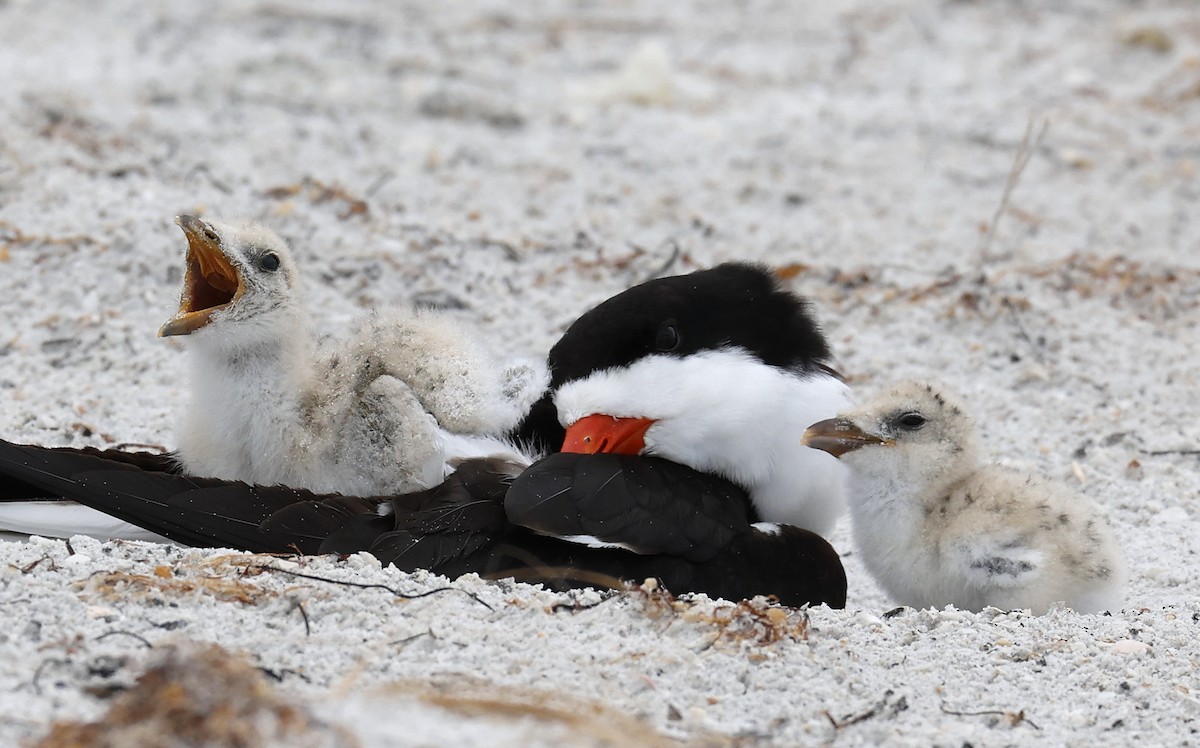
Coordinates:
(720, 370)
(936, 526)
(381, 414)
(384, 412)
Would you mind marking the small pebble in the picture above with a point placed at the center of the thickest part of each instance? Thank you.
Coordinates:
(1129, 647)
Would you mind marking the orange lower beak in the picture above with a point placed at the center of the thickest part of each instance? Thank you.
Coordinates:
(597, 434)
(210, 282)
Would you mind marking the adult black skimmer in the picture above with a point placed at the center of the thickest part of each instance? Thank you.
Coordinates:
(727, 340)
(936, 526)
(715, 370)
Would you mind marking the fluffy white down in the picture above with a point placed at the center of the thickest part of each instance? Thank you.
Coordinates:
(931, 560)
(726, 412)
(454, 377)
(936, 527)
(363, 420)
(381, 413)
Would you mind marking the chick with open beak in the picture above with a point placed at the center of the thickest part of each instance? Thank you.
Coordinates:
(382, 411)
(211, 282)
(232, 273)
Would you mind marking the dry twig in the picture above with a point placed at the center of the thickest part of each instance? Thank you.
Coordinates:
(1014, 718)
(139, 637)
(895, 707)
(1025, 151)
(366, 586)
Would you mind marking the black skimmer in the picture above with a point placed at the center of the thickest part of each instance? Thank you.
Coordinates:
(384, 412)
(715, 370)
(381, 414)
(727, 341)
(936, 526)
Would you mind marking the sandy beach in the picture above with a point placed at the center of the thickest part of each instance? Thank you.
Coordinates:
(999, 196)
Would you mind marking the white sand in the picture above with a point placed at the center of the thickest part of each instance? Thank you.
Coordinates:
(522, 163)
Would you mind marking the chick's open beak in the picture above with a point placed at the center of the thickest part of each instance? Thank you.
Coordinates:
(837, 436)
(210, 282)
(596, 434)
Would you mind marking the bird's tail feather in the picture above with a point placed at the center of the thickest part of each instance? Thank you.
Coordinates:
(192, 511)
(59, 518)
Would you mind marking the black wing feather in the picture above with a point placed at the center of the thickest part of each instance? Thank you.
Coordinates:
(445, 528)
(193, 511)
(690, 530)
(55, 459)
(796, 566)
(329, 524)
(646, 504)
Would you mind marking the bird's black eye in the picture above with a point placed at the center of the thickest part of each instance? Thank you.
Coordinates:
(269, 262)
(911, 421)
(667, 338)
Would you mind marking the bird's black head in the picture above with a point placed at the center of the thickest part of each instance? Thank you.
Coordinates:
(735, 304)
(732, 305)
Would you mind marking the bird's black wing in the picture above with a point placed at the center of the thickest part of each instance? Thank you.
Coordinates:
(661, 519)
(644, 504)
(447, 540)
(193, 511)
(796, 566)
(331, 524)
(431, 529)
(328, 523)
(14, 489)
(448, 527)
(690, 530)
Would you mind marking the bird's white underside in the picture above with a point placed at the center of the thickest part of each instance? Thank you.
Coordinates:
(64, 519)
(592, 541)
(726, 412)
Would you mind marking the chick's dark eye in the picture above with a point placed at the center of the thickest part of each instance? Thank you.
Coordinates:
(667, 338)
(911, 421)
(269, 262)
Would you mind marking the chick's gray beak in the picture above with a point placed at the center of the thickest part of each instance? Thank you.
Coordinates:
(837, 436)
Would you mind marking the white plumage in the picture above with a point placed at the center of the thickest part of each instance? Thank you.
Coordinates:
(381, 413)
(937, 526)
(389, 410)
(725, 412)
